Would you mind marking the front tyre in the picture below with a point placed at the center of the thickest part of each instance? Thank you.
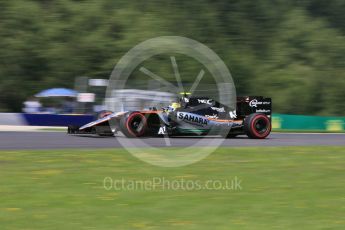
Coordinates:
(133, 124)
(257, 126)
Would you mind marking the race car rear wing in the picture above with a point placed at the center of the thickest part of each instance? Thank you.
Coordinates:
(253, 104)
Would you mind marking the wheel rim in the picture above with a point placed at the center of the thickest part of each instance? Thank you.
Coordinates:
(136, 124)
(261, 126)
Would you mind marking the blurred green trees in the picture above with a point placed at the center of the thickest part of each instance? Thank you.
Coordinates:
(293, 51)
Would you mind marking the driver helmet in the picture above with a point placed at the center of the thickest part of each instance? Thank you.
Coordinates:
(174, 106)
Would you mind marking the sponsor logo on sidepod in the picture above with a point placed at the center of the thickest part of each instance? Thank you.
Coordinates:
(214, 116)
(190, 118)
(219, 110)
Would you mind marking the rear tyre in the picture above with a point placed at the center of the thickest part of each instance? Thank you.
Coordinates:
(133, 125)
(257, 126)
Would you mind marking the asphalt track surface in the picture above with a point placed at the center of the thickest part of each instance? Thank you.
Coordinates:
(60, 140)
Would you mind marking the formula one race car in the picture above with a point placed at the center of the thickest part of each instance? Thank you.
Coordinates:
(190, 116)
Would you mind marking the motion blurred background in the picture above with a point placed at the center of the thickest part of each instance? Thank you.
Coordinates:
(292, 51)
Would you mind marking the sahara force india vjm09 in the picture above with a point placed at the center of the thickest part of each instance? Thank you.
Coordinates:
(189, 116)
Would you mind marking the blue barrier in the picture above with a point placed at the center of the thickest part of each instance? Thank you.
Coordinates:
(57, 119)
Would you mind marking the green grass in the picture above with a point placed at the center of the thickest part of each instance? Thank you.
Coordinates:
(305, 131)
(282, 188)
